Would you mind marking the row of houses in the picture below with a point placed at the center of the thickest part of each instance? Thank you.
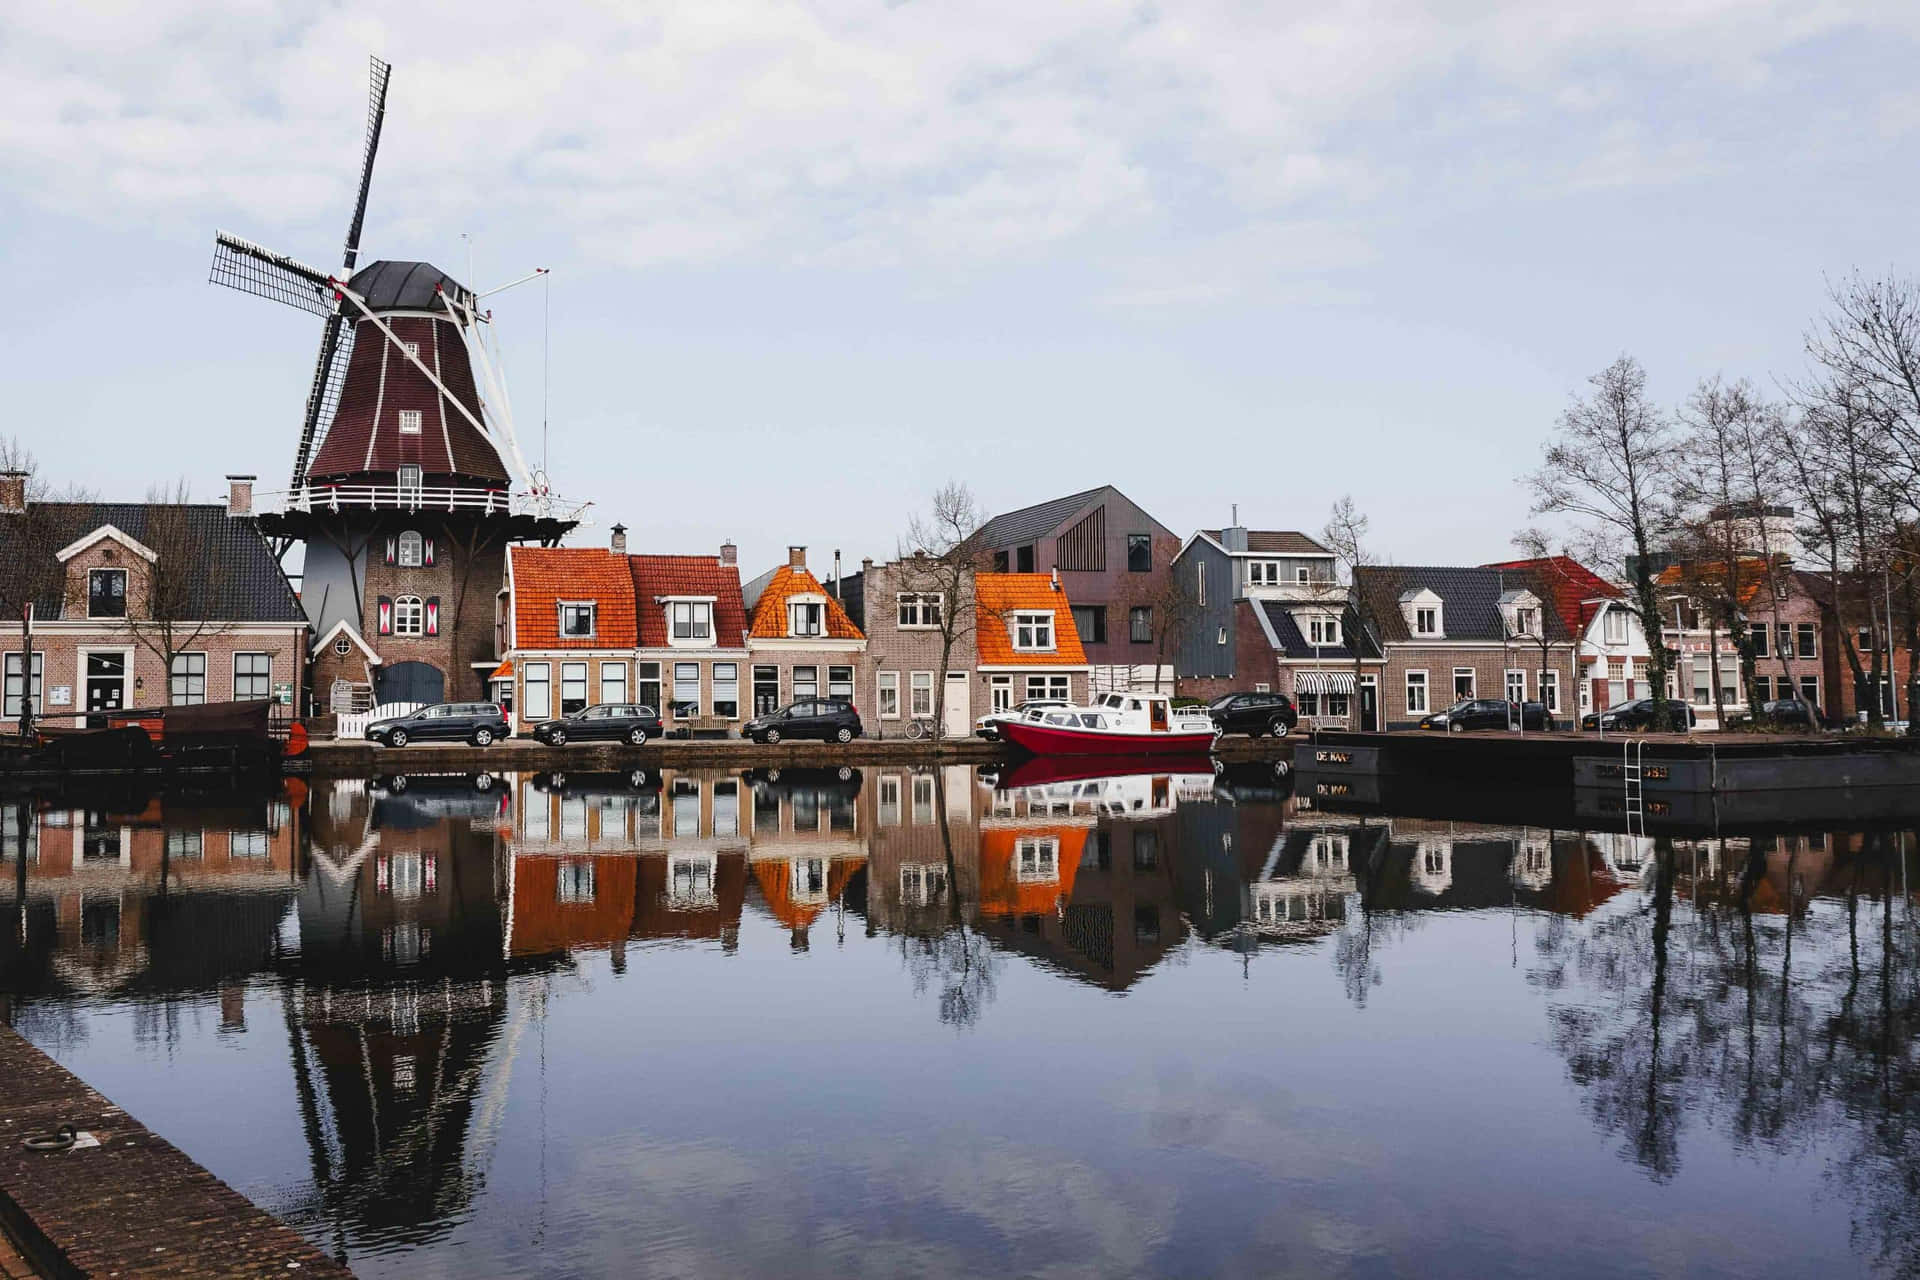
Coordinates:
(144, 604)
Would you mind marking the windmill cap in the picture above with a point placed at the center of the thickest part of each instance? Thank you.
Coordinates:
(405, 286)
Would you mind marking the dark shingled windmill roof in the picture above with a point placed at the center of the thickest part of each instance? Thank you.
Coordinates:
(402, 286)
(240, 581)
(1470, 599)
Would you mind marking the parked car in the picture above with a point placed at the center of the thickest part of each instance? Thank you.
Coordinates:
(988, 726)
(1797, 713)
(825, 718)
(602, 722)
(1254, 714)
(480, 723)
(1638, 714)
(1488, 713)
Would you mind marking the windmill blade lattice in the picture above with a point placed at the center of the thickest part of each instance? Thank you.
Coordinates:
(323, 397)
(246, 266)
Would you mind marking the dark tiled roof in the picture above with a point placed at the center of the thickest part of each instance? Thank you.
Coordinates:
(1294, 645)
(241, 581)
(1276, 542)
(1015, 528)
(1470, 598)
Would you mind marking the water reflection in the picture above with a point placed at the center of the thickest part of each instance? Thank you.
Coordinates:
(417, 939)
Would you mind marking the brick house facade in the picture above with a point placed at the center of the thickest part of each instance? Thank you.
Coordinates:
(1786, 624)
(800, 641)
(236, 630)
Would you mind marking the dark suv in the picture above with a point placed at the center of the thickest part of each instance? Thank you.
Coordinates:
(604, 722)
(480, 723)
(835, 719)
(1254, 714)
(1638, 714)
(1488, 713)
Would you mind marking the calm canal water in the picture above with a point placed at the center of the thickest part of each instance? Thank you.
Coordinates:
(884, 1022)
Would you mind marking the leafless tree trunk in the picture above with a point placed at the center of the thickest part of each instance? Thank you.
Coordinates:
(941, 556)
(1346, 536)
(1612, 463)
(171, 618)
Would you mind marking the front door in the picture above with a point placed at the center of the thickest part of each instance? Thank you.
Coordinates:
(1369, 705)
(766, 690)
(106, 683)
(959, 705)
(1157, 716)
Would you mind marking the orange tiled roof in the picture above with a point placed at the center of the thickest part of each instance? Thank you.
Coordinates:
(544, 576)
(655, 576)
(770, 614)
(999, 596)
(1751, 575)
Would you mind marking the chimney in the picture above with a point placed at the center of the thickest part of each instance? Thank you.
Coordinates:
(836, 573)
(729, 554)
(620, 539)
(1056, 578)
(240, 495)
(1234, 536)
(796, 557)
(13, 492)
(866, 566)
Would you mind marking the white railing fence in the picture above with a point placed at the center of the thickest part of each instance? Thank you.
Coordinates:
(355, 726)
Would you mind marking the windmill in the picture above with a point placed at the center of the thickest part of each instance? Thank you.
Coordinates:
(408, 483)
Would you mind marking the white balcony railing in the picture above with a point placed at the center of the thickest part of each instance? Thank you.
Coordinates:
(411, 498)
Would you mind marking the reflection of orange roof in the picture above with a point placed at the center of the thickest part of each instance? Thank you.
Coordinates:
(770, 613)
(776, 886)
(1576, 888)
(544, 576)
(999, 596)
(655, 916)
(542, 924)
(1004, 893)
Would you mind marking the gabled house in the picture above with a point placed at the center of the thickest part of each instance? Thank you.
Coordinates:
(1613, 655)
(800, 642)
(693, 640)
(143, 604)
(1028, 643)
(1448, 633)
(1114, 563)
(1784, 620)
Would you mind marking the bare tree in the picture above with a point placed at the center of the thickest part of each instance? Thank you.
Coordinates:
(939, 558)
(1611, 463)
(1729, 481)
(1174, 606)
(1544, 578)
(1346, 536)
(169, 616)
(30, 576)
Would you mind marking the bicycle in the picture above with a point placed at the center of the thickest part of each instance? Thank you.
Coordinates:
(920, 727)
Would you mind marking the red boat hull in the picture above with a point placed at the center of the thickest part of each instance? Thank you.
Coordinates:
(1057, 740)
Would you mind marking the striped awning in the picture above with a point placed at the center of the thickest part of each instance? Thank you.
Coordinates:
(1323, 682)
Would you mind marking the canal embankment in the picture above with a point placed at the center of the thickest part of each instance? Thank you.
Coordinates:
(120, 1200)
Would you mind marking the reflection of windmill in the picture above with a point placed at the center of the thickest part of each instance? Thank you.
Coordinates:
(403, 454)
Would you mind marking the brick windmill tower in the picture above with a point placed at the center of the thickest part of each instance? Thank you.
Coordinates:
(408, 484)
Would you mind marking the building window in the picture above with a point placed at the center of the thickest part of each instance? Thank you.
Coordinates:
(1090, 620)
(1783, 639)
(1416, 693)
(806, 683)
(409, 422)
(573, 687)
(187, 682)
(413, 551)
(1759, 634)
(1140, 624)
(1426, 621)
(1302, 575)
(1139, 553)
(1000, 563)
(1702, 685)
(1037, 858)
(887, 690)
(806, 618)
(646, 683)
(726, 690)
(1763, 689)
(1614, 626)
(409, 616)
(1323, 629)
(412, 349)
(14, 681)
(1263, 573)
(252, 676)
(1221, 636)
(1550, 691)
(1000, 693)
(539, 691)
(922, 799)
(1462, 683)
(408, 476)
(106, 593)
(576, 620)
(692, 620)
(1200, 582)
(919, 610)
(1033, 632)
(1805, 633)
(726, 798)
(1526, 622)
(1516, 686)
(686, 690)
(1810, 689)
(1023, 559)
(342, 647)
(186, 844)
(1055, 687)
(840, 682)
(921, 691)
(574, 884)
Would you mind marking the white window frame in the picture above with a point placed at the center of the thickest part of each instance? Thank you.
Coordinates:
(412, 551)
(698, 619)
(593, 619)
(719, 687)
(1200, 582)
(835, 682)
(1614, 620)
(1516, 676)
(806, 618)
(238, 675)
(409, 476)
(1263, 573)
(1473, 683)
(1323, 630)
(613, 683)
(409, 422)
(925, 608)
(409, 616)
(1302, 575)
(1417, 706)
(1426, 620)
(889, 800)
(1043, 852)
(537, 691)
(34, 687)
(575, 674)
(1550, 691)
(1049, 686)
(999, 694)
(675, 701)
(920, 683)
(886, 692)
(923, 810)
(1032, 631)
(174, 699)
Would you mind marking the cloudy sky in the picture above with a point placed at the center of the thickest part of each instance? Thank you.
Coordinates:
(813, 259)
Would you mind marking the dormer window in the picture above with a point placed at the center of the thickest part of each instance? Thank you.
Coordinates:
(1033, 632)
(1426, 621)
(692, 620)
(106, 593)
(409, 422)
(1526, 622)
(1424, 613)
(806, 618)
(1323, 629)
(576, 620)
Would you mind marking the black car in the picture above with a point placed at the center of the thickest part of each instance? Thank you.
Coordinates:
(1796, 713)
(1638, 714)
(604, 722)
(826, 718)
(480, 723)
(1488, 713)
(1254, 714)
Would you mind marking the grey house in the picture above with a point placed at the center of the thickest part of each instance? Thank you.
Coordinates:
(1254, 593)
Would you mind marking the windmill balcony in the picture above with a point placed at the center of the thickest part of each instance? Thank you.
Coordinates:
(393, 497)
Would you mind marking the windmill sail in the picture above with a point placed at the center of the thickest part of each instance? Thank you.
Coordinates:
(323, 397)
(376, 116)
(246, 266)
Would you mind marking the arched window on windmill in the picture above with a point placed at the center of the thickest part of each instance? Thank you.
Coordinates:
(409, 616)
(412, 549)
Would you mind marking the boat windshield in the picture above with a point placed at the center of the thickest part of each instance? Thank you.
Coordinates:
(1113, 700)
(1059, 717)
(1091, 721)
